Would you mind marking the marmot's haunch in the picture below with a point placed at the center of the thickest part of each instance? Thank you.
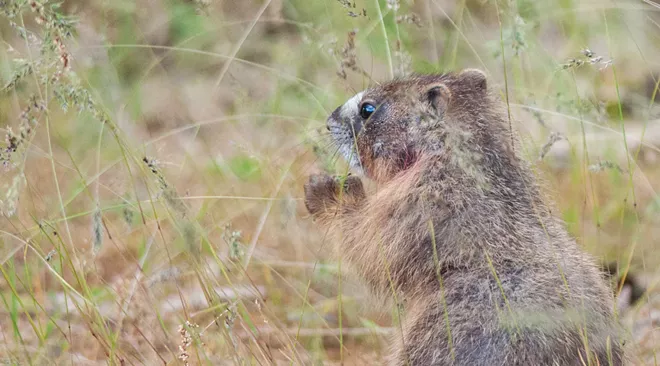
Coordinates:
(459, 230)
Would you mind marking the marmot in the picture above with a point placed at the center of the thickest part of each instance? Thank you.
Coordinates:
(458, 229)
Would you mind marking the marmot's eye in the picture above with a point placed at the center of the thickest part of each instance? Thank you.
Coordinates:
(366, 110)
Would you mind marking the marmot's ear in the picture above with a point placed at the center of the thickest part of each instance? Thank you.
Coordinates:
(475, 78)
(438, 95)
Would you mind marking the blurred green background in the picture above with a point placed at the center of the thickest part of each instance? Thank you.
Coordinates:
(155, 154)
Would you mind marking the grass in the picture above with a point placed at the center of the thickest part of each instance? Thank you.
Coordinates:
(155, 157)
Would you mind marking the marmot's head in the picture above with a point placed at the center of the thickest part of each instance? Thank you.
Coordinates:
(385, 129)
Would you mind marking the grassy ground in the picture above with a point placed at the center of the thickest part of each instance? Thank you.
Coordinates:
(156, 151)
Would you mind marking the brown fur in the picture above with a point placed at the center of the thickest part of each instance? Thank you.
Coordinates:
(459, 230)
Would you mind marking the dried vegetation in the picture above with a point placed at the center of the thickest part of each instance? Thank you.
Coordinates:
(154, 156)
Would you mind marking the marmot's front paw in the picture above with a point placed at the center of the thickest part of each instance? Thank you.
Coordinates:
(352, 187)
(320, 193)
(323, 192)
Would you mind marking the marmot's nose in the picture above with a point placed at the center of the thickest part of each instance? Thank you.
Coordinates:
(332, 119)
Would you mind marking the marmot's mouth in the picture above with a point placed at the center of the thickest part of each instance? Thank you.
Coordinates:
(344, 138)
(344, 124)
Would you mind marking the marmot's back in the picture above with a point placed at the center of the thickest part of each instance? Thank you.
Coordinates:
(460, 231)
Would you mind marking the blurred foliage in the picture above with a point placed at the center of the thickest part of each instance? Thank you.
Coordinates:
(138, 132)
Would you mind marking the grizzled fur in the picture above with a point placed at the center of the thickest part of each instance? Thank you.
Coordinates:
(459, 229)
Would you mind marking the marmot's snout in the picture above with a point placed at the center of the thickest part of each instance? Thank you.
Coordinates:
(344, 125)
(346, 116)
(334, 120)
